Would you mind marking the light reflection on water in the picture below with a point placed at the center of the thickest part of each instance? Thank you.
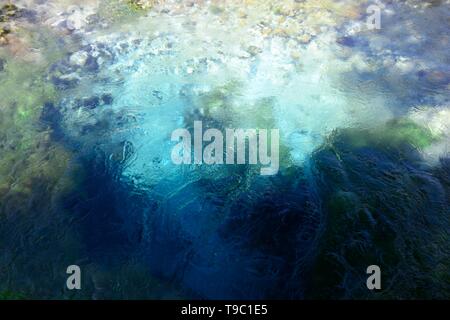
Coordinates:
(364, 174)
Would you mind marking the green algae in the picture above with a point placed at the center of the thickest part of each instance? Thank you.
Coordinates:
(404, 130)
(224, 104)
(117, 12)
(216, 9)
(344, 207)
(131, 281)
(8, 11)
(27, 152)
(36, 172)
(394, 133)
(12, 295)
(141, 5)
(4, 31)
(24, 90)
(218, 102)
(370, 217)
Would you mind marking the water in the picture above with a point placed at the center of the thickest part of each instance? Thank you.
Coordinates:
(87, 176)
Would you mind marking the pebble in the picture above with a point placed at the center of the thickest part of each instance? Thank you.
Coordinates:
(304, 38)
(78, 58)
(65, 81)
(253, 50)
(92, 102)
(346, 41)
(50, 114)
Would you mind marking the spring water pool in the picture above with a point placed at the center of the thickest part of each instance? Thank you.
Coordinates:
(94, 89)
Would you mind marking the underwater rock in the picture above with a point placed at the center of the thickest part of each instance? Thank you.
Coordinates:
(72, 20)
(93, 18)
(79, 58)
(275, 221)
(253, 50)
(157, 94)
(2, 64)
(91, 64)
(346, 41)
(437, 120)
(30, 15)
(12, 295)
(216, 9)
(69, 24)
(9, 11)
(304, 38)
(107, 98)
(436, 77)
(77, 17)
(401, 134)
(64, 82)
(92, 102)
(52, 117)
(50, 114)
(4, 31)
(141, 4)
(62, 67)
(377, 208)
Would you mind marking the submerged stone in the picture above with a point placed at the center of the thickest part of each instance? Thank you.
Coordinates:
(92, 102)
(9, 11)
(91, 64)
(50, 114)
(273, 232)
(346, 41)
(12, 295)
(396, 133)
(369, 212)
(253, 50)
(52, 117)
(3, 35)
(107, 98)
(30, 15)
(79, 58)
(64, 83)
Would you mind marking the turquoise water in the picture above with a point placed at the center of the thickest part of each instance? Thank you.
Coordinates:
(94, 94)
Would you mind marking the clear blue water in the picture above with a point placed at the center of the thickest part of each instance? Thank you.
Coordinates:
(364, 171)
